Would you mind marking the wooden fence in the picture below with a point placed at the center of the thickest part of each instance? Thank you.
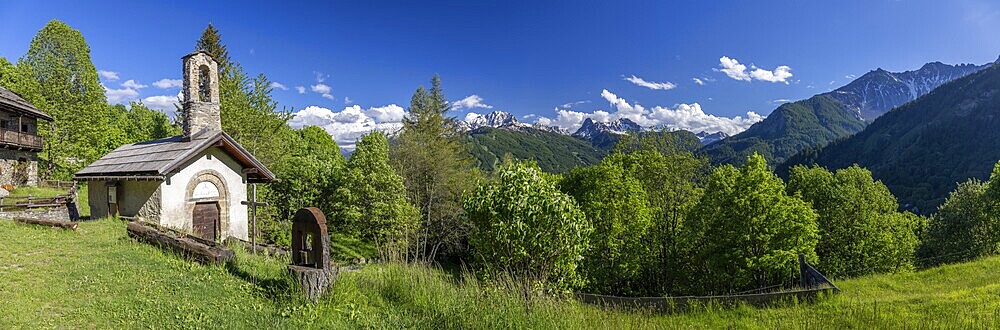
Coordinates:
(30, 202)
(813, 285)
(57, 184)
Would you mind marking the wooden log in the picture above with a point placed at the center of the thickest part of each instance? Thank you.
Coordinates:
(48, 222)
(186, 246)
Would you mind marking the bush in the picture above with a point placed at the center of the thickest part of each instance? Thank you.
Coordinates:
(527, 228)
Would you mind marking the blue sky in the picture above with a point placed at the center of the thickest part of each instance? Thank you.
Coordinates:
(525, 57)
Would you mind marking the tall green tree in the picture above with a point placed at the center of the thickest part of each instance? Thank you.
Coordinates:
(371, 202)
(141, 123)
(527, 228)
(673, 177)
(434, 163)
(616, 206)
(750, 232)
(860, 230)
(84, 126)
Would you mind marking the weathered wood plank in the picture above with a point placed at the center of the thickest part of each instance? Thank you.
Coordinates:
(47, 222)
(186, 246)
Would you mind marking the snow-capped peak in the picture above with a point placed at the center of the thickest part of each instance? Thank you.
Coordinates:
(620, 126)
(495, 119)
(707, 138)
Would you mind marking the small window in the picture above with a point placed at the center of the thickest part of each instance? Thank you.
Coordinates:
(24, 128)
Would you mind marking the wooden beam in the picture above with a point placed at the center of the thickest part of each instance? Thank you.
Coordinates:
(47, 222)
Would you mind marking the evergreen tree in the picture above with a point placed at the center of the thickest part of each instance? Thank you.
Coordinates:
(434, 163)
(371, 202)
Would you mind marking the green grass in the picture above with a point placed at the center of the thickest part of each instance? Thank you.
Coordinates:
(97, 277)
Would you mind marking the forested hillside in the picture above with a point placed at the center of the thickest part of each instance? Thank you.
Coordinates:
(790, 128)
(554, 152)
(922, 149)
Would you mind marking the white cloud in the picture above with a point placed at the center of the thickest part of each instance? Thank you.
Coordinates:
(109, 75)
(300, 89)
(322, 89)
(470, 102)
(651, 85)
(132, 84)
(168, 83)
(698, 81)
(277, 85)
(164, 103)
(351, 123)
(780, 74)
(732, 68)
(832, 82)
(689, 117)
(850, 76)
(781, 101)
(347, 100)
(120, 96)
(573, 104)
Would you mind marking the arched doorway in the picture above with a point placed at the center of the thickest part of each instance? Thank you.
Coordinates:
(207, 204)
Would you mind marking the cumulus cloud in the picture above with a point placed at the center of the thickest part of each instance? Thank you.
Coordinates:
(168, 83)
(573, 104)
(734, 69)
(689, 117)
(132, 84)
(164, 103)
(779, 74)
(277, 85)
(351, 123)
(322, 89)
(120, 96)
(300, 89)
(470, 102)
(666, 85)
(109, 75)
(698, 81)
(347, 100)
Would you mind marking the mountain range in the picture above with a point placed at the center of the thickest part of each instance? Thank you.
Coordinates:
(923, 148)
(829, 116)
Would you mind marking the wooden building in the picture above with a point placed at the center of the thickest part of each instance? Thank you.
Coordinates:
(19, 140)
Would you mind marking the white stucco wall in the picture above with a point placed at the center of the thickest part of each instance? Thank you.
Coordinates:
(176, 212)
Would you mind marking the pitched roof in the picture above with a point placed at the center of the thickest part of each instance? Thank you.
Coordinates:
(10, 101)
(155, 159)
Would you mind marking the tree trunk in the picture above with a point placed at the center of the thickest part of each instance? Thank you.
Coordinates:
(187, 246)
(46, 222)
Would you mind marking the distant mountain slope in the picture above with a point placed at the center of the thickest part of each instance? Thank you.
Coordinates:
(606, 135)
(788, 129)
(921, 149)
(554, 152)
(836, 114)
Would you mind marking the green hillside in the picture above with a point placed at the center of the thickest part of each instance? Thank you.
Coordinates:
(789, 128)
(97, 277)
(554, 152)
(922, 149)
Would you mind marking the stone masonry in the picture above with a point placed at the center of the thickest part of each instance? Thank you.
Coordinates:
(201, 94)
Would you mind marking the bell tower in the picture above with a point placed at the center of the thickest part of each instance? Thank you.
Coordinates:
(201, 94)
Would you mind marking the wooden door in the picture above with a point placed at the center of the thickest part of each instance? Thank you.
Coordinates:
(206, 220)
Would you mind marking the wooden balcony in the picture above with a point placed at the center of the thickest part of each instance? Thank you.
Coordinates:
(20, 140)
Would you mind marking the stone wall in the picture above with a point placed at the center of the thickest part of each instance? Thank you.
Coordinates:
(201, 111)
(18, 167)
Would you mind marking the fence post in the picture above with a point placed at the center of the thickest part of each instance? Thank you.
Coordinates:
(803, 271)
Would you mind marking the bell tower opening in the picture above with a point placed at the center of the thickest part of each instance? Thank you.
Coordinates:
(201, 94)
(204, 84)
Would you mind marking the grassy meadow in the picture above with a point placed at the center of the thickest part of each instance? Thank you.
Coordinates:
(97, 277)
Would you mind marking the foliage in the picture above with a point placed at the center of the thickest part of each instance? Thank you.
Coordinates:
(527, 228)
(616, 206)
(749, 231)
(554, 152)
(434, 163)
(371, 203)
(791, 127)
(860, 230)
(68, 89)
(308, 176)
(144, 124)
(922, 148)
(967, 225)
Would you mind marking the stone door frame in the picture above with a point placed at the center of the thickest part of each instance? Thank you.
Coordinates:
(222, 199)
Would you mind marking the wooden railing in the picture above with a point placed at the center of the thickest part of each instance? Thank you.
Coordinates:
(20, 139)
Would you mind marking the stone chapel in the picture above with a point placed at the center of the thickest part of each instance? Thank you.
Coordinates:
(195, 182)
